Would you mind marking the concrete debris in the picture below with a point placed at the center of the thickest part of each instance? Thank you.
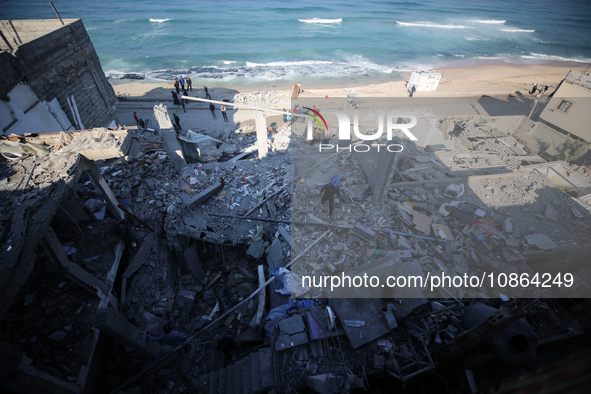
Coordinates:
(190, 284)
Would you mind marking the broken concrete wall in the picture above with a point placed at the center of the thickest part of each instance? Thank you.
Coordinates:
(377, 168)
(62, 64)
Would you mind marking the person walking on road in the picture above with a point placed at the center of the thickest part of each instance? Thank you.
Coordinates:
(212, 109)
(182, 82)
(136, 118)
(189, 83)
(207, 96)
(177, 86)
(223, 109)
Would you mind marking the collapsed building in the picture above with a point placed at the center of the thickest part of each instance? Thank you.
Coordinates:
(146, 261)
(52, 79)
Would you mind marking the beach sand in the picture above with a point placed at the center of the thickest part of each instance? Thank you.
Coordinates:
(459, 81)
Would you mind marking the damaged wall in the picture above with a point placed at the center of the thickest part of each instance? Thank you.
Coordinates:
(62, 65)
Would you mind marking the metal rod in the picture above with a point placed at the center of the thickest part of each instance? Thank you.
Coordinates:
(409, 235)
(6, 41)
(124, 209)
(29, 177)
(57, 13)
(248, 218)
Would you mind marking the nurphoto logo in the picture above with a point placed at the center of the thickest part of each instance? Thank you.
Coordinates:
(394, 121)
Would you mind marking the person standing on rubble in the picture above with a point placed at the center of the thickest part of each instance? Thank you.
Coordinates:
(212, 109)
(327, 193)
(177, 121)
(223, 109)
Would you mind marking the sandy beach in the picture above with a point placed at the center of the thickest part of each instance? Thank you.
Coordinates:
(458, 81)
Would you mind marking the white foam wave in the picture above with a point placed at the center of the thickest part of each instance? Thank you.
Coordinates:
(516, 30)
(472, 38)
(285, 70)
(229, 61)
(289, 64)
(542, 56)
(321, 21)
(159, 20)
(430, 24)
(491, 21)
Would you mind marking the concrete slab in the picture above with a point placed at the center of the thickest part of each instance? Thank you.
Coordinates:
(292, 325)
(367, 310)
(285, 341)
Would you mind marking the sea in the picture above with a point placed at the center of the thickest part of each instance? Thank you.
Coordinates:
(318, 43)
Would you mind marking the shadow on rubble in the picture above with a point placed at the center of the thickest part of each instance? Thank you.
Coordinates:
(442, 213)
(505, 106)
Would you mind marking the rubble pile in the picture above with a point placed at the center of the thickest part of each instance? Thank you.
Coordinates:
(191, 272)
(51, 319)
(260, 99)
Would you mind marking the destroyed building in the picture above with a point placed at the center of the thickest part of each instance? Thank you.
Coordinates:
(52, 79)
(128, 266)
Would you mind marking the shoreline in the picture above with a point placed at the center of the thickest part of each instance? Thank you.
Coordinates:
(460, 78)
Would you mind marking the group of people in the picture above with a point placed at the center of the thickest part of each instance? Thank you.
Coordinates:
(222, 109)
(183, 84)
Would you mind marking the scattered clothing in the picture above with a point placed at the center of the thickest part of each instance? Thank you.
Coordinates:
(173, 338)
(212, 109)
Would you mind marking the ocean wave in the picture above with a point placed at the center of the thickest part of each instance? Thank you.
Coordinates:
(472, 38)
(431, 24)
(491, 21)
(516, 30)
(280, 70)
(290, 64)
(321, 21)
(542, 56)
(159, 20)
(229, 61)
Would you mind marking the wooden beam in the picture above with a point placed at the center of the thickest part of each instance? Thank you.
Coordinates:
(77, 273)
(100, 182)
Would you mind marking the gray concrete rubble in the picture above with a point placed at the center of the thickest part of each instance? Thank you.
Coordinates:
(127, 269)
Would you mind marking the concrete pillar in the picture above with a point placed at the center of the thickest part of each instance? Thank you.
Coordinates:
(261, 126)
